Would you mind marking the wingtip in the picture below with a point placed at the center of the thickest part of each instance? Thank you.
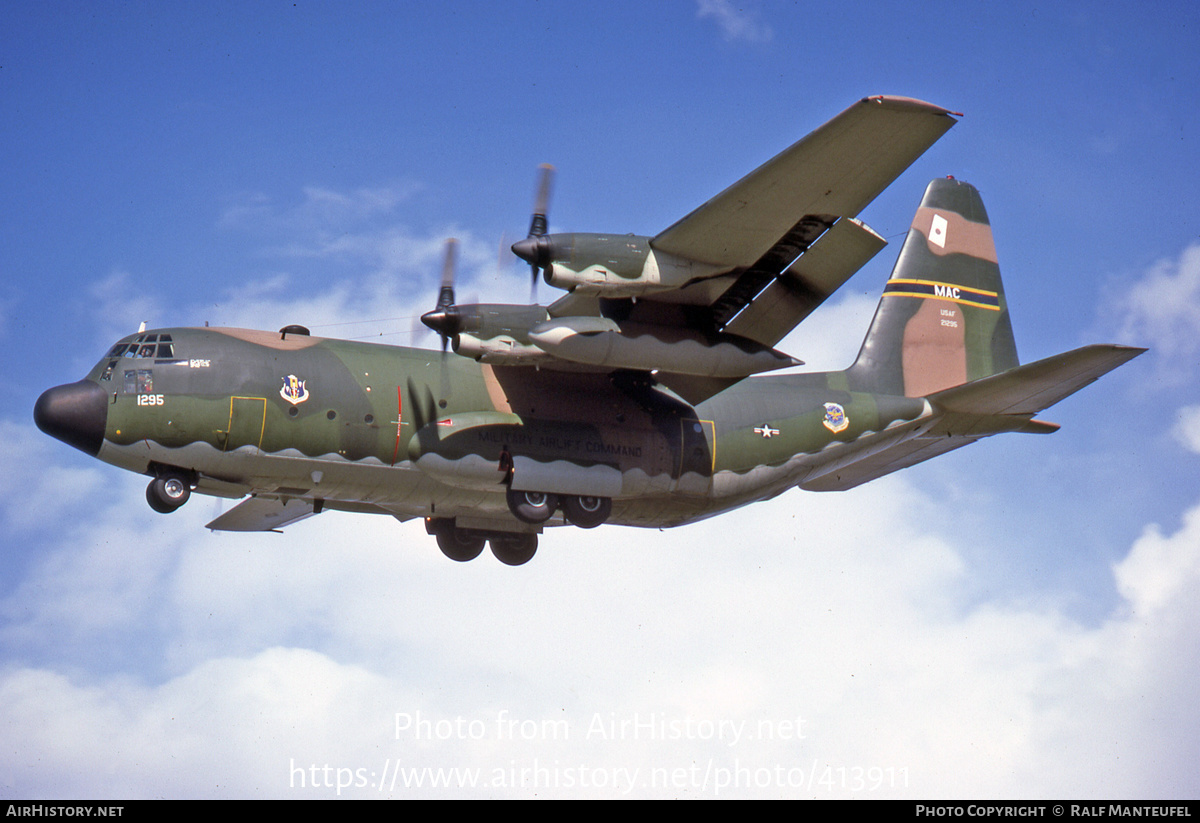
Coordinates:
(910, 103)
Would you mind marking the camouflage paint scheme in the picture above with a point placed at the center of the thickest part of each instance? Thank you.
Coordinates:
(304, 424)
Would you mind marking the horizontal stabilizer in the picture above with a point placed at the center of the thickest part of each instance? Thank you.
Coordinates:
(1031, 388)
(262, 514)
(959, 416)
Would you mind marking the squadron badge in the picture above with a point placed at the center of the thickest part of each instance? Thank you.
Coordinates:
(294, 390)
(835, 418)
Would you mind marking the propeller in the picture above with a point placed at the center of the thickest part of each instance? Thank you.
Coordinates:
(422, 404)
(532, 250)
(445, 318)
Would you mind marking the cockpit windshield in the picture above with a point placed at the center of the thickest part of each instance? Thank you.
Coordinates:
(153, 346)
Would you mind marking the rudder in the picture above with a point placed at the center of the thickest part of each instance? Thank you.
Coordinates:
(943, 319)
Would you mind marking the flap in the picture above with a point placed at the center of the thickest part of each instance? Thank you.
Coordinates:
(807, 283)
(262, 514)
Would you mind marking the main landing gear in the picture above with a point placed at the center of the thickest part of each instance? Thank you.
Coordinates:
(168, 492)
(461, 545)
(538, 507)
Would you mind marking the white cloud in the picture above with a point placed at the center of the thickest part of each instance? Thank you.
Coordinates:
(117, 306)
(397, 282)
(319, 210)
(1187, 428)
(35, 490)
(735, 21)
(1162, 309)
(1161, 573)
(830, 338)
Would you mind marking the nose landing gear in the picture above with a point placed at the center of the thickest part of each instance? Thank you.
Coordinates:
(168, 492)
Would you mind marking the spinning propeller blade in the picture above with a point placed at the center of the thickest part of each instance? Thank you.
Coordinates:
(530, 249)
(445, 319)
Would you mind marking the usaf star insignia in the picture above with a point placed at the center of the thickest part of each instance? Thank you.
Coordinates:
(766, 431)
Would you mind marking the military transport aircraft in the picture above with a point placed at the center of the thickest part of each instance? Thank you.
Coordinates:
(631, 399)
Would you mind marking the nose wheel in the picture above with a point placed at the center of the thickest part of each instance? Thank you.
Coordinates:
(167, 493)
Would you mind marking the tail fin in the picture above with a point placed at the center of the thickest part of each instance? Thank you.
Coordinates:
(943, 320)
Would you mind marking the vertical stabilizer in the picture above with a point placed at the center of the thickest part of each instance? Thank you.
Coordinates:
(943, 320)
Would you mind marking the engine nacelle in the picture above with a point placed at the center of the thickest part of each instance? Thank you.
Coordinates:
(614, 266)
(496, 333)
(599, 341)
(502, 349)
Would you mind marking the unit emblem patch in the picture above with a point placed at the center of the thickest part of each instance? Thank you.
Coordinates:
(294, 390)
(835, 418)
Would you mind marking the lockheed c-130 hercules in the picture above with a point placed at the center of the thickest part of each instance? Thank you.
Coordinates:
(631, 400)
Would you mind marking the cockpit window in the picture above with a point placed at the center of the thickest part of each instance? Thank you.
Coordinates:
(145, 346)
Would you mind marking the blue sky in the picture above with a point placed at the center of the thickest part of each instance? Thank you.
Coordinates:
(1015, 619)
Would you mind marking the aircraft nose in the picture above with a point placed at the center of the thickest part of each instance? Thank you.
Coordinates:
(75, 413)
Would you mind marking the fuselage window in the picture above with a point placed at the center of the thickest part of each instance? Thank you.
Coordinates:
(139, 381)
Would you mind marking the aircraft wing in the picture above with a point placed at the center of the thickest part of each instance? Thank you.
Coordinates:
(781, 240)
(707, 300)
(836, 171)
(959, 416)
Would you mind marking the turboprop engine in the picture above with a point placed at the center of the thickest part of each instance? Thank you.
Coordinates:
(608, 265)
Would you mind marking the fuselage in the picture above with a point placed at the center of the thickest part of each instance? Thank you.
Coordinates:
(420, 433)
